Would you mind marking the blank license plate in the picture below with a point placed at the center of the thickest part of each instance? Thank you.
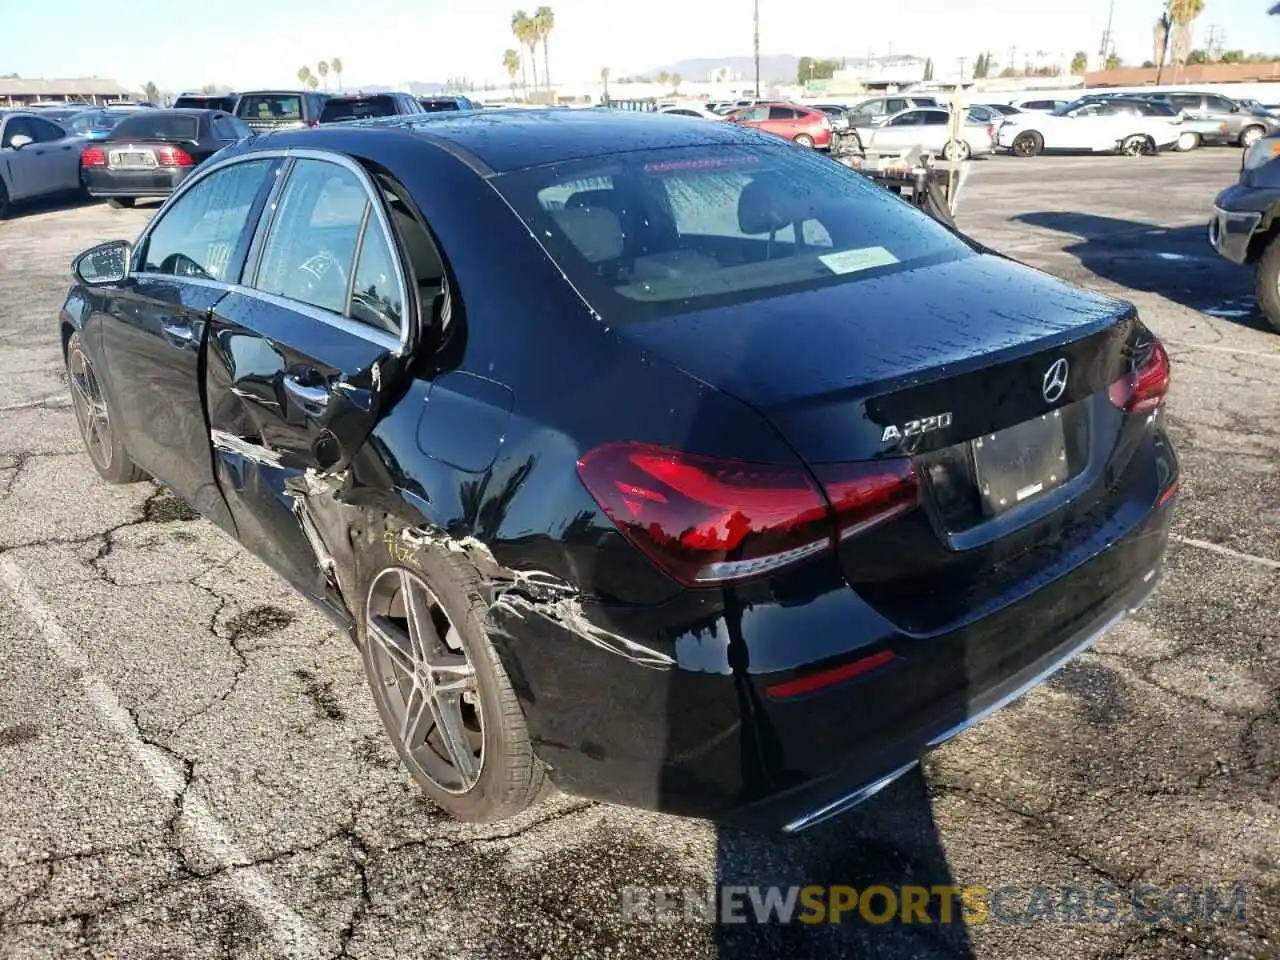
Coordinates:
(130, 158)
(1021, 462)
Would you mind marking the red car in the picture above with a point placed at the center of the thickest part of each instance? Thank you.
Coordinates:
(811, 128)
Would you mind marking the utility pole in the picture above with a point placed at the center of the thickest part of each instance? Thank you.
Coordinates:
(1105, 49)
(757, 47)
(963, 61)
(1013, 57)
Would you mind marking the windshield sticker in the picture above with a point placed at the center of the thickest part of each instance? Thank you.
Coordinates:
(851, 261)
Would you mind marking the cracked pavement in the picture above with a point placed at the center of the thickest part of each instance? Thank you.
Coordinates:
(191, 766)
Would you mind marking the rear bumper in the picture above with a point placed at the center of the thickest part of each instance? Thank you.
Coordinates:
(159, 182)
(676, 708)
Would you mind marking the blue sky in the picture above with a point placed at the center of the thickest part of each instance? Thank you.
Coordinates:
(246, 43)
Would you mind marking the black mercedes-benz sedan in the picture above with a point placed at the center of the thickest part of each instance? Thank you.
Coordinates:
(148, 153)
(654, 459)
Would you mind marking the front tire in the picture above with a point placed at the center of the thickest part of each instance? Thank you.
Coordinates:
(121, 203)
(102, 441)
(440, 689)
(1268, 283)
(1250, 135)
(1027, 144)
(4, 201)
(1136, 145)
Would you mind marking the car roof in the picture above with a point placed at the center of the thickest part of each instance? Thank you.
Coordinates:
(181, 112)
(500, 141)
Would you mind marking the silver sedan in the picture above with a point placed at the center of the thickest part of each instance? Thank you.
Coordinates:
(929, 129)
(37, 158)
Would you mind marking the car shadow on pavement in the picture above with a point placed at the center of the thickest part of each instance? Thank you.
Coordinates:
(50, 204)
(890, 841)
(1176, 263)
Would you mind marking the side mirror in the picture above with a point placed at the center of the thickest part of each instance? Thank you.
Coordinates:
(104, 264)
(19, 140)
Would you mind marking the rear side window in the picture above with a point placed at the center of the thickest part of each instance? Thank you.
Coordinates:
(198, 234)
(146, 125)
(277, 106)
(438, 105)
(658, 232)
(781, 113)
(357, 109)
(46, 131)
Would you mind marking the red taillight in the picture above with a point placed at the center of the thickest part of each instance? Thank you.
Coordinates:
(173, 157)
(1143, 389)
(991, 130)
(868, 493)
(93, 157)
(314, 123)
(707, 521)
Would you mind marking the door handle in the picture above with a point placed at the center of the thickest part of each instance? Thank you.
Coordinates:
(179, 334)
(311, 399)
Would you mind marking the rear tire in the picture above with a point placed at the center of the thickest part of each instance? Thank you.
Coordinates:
(959, 154)
(121, 203)
(1027, 144)
(97, 420)
(803, 139)
(4, 201)
(447, 594)
(1250, 135)
(1188, 141)
(1268, 283)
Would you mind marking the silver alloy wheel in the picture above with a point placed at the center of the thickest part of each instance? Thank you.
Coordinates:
(1188, 141)
(1134, 146)
(425, 679)
(1251, 136)
(91, 409)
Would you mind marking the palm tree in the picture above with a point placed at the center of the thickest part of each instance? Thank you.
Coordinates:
(511, 62)
(522, 27)
(312, 81)
(663, 77)
(322, 68)
(336, 66)
(1080, 62)
(304, 74)
(675, 82)
(1160, 38)
(1181, 14)
(544, 21)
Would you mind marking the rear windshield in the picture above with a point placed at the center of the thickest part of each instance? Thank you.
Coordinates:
(345, 109)
(149, 125)
(435, 106)
(657, 232)
(203, 103)
(270, 106)
(98, 120)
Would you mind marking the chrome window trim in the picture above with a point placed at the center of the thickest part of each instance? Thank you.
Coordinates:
(397, 345)
(354, 327)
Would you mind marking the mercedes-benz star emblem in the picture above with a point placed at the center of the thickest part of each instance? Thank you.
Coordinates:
(1055, 380)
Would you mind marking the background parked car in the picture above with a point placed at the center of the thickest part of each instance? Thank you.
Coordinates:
(802, 125)
(338, 109)
(873, 112)
(445, 103)
(1097, 126)
(152, 151)
(93, 124)
(225, 102)
(266, 110)
(1218, 119)
(930, 129)
(37, 158)
(699, 110)
(838, 115)
(1039, 105)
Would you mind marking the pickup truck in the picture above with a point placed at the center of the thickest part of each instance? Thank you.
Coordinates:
(1245, 227)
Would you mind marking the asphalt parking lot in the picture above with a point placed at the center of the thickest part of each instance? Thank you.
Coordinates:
(191, 766)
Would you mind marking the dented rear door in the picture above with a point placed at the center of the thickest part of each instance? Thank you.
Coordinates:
(300, 358)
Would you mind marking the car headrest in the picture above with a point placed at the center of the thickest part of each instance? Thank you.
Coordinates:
(766, 205)
(595, 231)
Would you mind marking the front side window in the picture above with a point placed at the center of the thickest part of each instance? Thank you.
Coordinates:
(1219, 105)
(659, 232)
(911, 119)
(17, 127)
(197, 236)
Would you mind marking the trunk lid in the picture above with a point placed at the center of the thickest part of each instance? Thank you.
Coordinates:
(986, 373)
